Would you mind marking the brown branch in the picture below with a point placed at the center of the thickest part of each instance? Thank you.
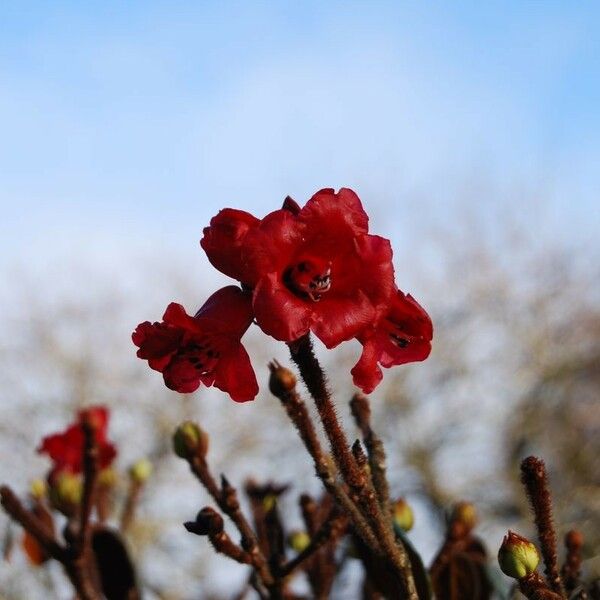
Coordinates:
(361, 411)
(74, 566)
(131, 501)
(571, 571)
(30, 523)
(330, 530)
(303, 355)
(298, 414)
(534, 587)
(535, 480)
(90, 470)
(226, 499)
(210, 523)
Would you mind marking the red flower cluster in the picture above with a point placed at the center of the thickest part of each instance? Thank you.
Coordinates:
(205, 348)
(315, 268)
(66, 448)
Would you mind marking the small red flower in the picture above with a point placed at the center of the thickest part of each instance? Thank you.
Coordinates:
(205, 348)
(66, 448)
(315, 268)
(403, 335)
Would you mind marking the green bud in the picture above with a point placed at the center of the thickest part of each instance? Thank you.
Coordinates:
(298, 540)
(269, 502)
(141, 470)
(403, 515)
(38, 489)
(190, 440)
(65, 492)
(107, 478)
(517, 556)
(465, 514)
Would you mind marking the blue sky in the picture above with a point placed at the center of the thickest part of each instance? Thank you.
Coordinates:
(132, 123)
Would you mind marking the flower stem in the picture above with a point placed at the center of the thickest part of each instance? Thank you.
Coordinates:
(226, 498)
(535, 480)
(303, 355)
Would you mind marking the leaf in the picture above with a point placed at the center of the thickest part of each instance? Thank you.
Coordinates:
(420, 574)
(116, 571)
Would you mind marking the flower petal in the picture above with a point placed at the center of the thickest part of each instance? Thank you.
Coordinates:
(181, 376)
(366, 373)
(343, 209)
(229, 310)
(278, 312)
(223, 242)
(234, 374)
(341, 318)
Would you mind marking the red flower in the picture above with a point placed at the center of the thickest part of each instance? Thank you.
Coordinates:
(66, 448)
(202, 349)
(403, 335)
(314, 268)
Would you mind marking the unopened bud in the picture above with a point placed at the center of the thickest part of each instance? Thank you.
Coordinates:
(107, 478)
(282, 380)
(298, 540)
(465, 514)
(141, 470)
(574, 539)
(38, 489)
(208, 522)
(66, 491)
(404, 517)
(190, 440)
(269, 502)
(517, 556)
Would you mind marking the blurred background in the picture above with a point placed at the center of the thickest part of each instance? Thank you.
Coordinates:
(471, 132)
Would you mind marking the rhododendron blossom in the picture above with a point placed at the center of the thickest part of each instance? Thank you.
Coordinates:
(205, 348)
(401, 336)
(66, 448)
(315, 268)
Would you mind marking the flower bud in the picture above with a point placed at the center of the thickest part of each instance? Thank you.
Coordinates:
(66, 490)
(517, 556)
(190, 440)
(465, 514)
(38, 489)
(140, 471)
(574, 539)
(403, 515)
(269, 503)
(298, 540)
(107, 478)
(282, 380)
(208, 522)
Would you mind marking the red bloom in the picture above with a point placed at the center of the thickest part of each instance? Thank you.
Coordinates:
(66, 448)
(403, 335)
(205, 348)
(314, 268)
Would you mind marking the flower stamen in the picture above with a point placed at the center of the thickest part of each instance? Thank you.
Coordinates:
(309, 278)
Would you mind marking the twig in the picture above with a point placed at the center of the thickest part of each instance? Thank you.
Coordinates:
(298, 413)
(303, 355)
(330, 530)
(226, 499)
(74, 566)
(131, 501)
(361, 411)
(36, 528)
(535, 480)
(90, 469)
(571, 571)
